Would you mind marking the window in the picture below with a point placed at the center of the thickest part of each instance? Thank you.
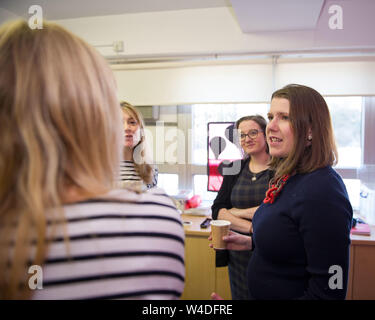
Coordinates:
(204, 113)
(168, 182)
(201, 114)
(200, 187)
(353, 187)
(346, 115)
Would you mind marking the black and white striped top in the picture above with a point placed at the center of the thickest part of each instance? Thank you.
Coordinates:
(128, 172)
(129, 175)
(122, 246)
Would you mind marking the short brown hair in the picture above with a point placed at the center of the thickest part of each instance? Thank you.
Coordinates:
(308, 111)
(256, 118)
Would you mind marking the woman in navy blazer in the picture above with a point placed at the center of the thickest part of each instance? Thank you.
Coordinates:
(301, 232)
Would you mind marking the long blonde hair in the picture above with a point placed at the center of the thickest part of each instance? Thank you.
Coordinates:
(60, 129)
(144, 169)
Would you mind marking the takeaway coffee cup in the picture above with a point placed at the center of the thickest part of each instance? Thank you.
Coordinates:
(219, 229)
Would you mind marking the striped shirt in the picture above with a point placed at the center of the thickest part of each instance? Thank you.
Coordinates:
(122, 246)
(128, 172)
(129, 176)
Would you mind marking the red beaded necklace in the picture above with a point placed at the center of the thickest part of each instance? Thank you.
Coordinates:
(275, 188)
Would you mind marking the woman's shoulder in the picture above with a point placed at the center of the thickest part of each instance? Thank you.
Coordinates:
(155, 196)
(128, 201)
(322, 174)
(320, 194)
(322, 182)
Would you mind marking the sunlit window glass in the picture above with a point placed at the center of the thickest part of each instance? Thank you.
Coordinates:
(200, 187)
(168, 182)
(346, 114)
(353, 189)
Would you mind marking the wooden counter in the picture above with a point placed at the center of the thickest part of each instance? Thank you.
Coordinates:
(361, 284)
(366, 240)
(194, 229)
(201, 276)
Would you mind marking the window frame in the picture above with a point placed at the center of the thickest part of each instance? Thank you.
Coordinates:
(187, 171)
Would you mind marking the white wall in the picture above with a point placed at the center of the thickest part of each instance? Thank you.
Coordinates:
(196, 84)
(330, 77)
(194, 31)
(246, 82)
(209, 32)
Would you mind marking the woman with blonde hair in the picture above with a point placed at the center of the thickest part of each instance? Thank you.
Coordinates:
(61, 147)
(136, 167)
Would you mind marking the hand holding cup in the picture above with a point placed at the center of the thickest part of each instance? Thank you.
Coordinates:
(219, 229)
(234, 241)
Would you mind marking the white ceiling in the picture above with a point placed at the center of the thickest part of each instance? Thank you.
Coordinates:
(252, 15)
(277, 15)
(65, 9)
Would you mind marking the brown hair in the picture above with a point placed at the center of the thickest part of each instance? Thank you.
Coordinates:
(60, 130)
(308, 111)
(143, 168)
(259, 120)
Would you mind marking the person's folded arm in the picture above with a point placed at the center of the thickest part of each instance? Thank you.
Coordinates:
(237, 224)
(247, 213)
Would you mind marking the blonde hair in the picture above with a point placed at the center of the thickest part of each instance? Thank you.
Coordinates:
(60, 129)
(308, 111)
(144, 169)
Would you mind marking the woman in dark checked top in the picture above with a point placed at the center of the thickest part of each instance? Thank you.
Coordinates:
(240, 195)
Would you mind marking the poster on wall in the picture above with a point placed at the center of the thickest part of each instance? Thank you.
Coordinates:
(223, 150)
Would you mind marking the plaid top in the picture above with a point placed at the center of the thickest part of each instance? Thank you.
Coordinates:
(224, 196)
(247, 193)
